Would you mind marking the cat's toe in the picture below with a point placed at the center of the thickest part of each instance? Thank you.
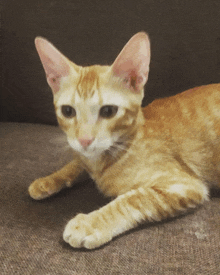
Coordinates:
(84, 231)
(75, 232)
(41, 189)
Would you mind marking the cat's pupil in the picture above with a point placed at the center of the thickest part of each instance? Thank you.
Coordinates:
(68, 111)
(108, 111)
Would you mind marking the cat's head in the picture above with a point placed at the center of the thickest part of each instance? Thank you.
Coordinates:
(98, 106)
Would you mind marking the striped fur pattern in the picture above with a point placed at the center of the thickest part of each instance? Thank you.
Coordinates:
(156, 162)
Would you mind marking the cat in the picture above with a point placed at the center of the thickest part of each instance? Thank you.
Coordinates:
(156, 162)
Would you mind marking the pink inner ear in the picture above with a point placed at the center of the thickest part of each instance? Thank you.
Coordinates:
(54, 82)
(55, 72)
(132, 64)
(55, 64)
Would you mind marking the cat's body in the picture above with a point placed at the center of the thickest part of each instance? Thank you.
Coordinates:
(156, 161)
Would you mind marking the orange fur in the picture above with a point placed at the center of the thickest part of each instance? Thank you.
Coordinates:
(156, 161)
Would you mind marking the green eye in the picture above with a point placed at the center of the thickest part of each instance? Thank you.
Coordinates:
(108, 111)
(68, 111)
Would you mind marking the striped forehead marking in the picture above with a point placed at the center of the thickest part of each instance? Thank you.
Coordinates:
(88, 83)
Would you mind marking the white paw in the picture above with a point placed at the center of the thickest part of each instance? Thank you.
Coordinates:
(87, 231)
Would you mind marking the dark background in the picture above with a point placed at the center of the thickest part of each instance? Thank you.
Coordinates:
(185, 44)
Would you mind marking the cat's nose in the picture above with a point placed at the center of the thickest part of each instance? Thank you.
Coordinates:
(85, 142)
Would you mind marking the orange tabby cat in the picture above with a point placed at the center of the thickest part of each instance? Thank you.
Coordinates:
(157, 161)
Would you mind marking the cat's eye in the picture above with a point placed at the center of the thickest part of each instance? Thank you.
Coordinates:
(108, 111)
(68, 111)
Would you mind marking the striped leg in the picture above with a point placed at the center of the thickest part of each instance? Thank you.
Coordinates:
(147, 203)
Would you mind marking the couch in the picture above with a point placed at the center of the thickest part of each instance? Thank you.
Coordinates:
(185, 41)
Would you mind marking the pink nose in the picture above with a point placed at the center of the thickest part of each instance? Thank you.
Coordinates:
(85, 142)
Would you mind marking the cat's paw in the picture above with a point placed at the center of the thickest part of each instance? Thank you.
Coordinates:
(87, 231)
(43, 188)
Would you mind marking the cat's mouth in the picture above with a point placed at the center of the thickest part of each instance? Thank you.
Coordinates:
(111, 151)
(98, 148)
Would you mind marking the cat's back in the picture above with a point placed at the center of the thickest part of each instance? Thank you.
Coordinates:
(197, 109)
(192, 104)
(190, 122)
(193, 114)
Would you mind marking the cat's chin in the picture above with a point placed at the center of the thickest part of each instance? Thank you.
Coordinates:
(91, 155)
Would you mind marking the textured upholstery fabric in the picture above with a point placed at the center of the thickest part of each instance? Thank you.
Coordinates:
(31, 231)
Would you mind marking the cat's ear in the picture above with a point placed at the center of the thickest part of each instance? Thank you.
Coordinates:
(132, 64)
(55, 64)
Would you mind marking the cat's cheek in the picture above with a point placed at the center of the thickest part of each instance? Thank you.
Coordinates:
(103, 144)
(74, 144)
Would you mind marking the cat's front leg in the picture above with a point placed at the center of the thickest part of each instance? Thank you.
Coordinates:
(99, 227)
(52, 184)
(147, 203)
